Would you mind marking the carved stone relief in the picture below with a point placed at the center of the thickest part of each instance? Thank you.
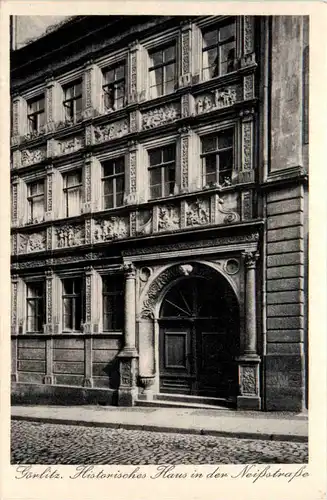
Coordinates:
(111, 229)
(226, 208)
(249, 382)
(29, 157)
(219, 98)
(168, 218)
(35, 242)
(159, 116)
(110, 131)
(198, 213)
(70, 145)
(69, 236)
(247, 145)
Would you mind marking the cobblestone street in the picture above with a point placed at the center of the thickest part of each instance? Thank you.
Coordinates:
(38, 443)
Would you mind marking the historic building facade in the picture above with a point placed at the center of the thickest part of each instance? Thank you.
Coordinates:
(159, 180)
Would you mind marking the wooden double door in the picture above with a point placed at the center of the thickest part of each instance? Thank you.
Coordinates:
(199, 344)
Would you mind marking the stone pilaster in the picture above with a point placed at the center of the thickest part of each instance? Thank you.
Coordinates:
(48, 327)
(248, 54)
(147, 356)
(49, 193)
(19, 119)
(186, 57)
(128, 356)
(14, 201)
(92, 299)
(14, 304)
(92, 80)
(249, 360)
(131, 174)
(185, 164)
(53, 104)
(92, 188)
(246, 173)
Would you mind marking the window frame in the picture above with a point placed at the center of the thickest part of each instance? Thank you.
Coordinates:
(216, 153)
(114, 178)
(163, 167)
(73, 296)
(153, 67)
(114, 85)
(66, 190)
(70, 103)
(38, 318)
(33, 116)
(118, 294)
(217, 26)
(32, 197)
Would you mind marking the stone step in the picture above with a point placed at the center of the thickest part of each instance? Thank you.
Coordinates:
(203, 400)
(178, 404)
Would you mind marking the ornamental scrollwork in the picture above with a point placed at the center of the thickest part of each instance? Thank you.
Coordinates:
(249, 382)
(71, 145)
(29, 157)
(32, 243)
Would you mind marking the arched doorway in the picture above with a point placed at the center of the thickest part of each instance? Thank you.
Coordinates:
(199, 338)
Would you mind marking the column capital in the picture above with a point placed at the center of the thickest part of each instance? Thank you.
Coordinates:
(48, 273)
(250, 259)
(129, 269)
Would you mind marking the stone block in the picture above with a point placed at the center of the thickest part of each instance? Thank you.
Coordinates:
(277, 285)
(285, 297)
(73, 343)
(107, 343)
(99, 369)
(292, 322)
(38, 343)
(30, 377)
(104, 356)
(285, 233)
(33, 353)
(31, 366)
(68, 367)
(284, 348)
(285, 220)
(248, 403)
(285, 194)
(285, 335)
(284, 206)
(76, 380)
(68, 355)
(285, 310)
(101, 382)
(285, 272)
(285, 247)
(285, 259)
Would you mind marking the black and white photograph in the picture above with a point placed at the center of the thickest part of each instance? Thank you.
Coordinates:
(159, 241)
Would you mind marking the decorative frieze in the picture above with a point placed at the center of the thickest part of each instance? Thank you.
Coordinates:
(70, 145)
(247, 205)
(198, 212)
(110, 229)
(160, 116)
(168, 218)
(110, 131)
(218, 98)
(69, 236)
(248, 87)
(32, 156)
(35, 242)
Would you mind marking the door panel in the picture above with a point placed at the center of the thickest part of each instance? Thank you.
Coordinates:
(176, 360)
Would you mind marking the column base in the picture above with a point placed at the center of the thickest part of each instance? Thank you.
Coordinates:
(127, 396)
(248, 403)
(48, 380)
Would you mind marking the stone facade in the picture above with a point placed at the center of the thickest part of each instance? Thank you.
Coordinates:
(98, 241)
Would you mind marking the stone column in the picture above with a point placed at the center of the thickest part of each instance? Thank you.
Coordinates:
(249, 360)
(128, 356)
(48, 327)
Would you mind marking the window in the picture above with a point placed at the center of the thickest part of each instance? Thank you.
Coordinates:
(162, 171)
(217, 158)
(114, 87)
(162, 70)
(113, 181)
(73, 101)
(113, 303)
(35, 114)
(218, 51)
(72, 304)
(35, 306)
(35, 201)
(72, 193)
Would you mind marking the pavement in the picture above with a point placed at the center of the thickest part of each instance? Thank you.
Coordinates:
(225, 423)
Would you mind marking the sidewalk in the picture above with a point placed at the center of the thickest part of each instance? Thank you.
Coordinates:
(229, 423)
